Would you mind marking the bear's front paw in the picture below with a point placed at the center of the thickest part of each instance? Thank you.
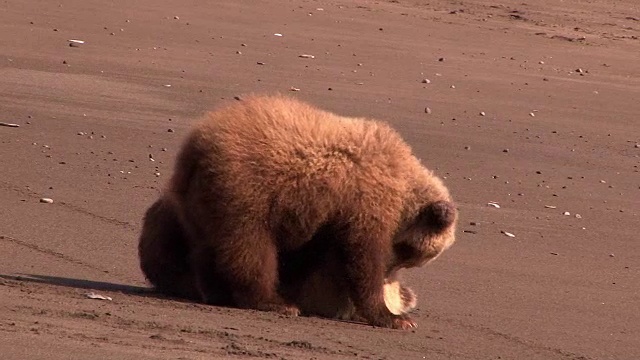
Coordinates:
(404, 323)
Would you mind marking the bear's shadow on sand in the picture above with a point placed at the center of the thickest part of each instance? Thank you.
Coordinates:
(106, 286)
(87, 284)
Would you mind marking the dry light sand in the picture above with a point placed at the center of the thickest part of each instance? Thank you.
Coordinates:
(534, 105)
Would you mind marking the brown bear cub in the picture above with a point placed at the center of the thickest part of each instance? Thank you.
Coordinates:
(269, 185)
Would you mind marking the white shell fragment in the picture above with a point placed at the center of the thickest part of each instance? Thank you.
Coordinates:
(307, 56)
(508, 234)
(93, 295)
(277, 34)
(9, 124)
(550, 207)
(75, 43)
(494, 204)
(46, 201)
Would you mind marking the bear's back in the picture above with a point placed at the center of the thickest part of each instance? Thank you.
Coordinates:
(276, 149)
(279, 131)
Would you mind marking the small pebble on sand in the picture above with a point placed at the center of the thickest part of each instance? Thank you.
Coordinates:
(46, 200)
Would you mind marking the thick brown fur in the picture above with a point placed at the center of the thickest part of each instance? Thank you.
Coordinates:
(259, 179)
(313, 279)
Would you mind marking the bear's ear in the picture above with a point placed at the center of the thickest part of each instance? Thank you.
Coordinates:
(438, 215)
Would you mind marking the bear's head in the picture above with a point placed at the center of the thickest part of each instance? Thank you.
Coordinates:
(428, 224)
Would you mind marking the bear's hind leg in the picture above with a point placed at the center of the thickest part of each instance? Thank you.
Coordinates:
(246, 261)
(163, 251)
